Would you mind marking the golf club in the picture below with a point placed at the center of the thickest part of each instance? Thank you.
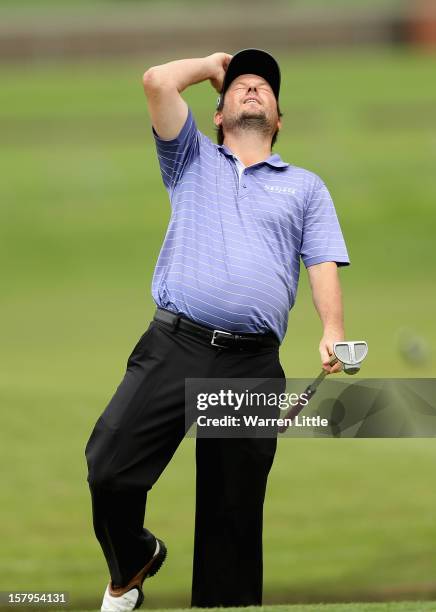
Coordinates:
(350, 354)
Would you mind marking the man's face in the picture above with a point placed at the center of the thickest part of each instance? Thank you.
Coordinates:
(249, 103)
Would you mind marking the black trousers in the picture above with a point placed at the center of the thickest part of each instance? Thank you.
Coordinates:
(134, 439)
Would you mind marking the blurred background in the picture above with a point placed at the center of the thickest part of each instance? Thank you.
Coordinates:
(83, 216)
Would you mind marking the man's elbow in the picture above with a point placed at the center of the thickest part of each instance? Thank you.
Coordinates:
(151, 79)
(155, 82)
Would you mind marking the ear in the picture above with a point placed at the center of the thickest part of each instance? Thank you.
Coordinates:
(217, 118)
(279, 124)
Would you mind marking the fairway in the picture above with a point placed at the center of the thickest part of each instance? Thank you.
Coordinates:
(407, 606)
(83, 215)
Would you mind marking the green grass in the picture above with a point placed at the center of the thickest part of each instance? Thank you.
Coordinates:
(406, 606)
(83, 214)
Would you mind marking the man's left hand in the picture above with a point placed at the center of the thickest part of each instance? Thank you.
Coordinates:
(326, 352)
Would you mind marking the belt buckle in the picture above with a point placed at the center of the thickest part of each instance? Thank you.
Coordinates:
(218, 331)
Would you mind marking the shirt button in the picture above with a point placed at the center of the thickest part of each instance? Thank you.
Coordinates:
(244, 185)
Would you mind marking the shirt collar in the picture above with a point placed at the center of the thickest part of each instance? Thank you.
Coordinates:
(273, 160)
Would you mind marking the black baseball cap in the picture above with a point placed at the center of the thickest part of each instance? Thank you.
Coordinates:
(253, 61)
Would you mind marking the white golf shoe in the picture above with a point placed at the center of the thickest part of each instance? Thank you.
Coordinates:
(130, 597)
(122, 603)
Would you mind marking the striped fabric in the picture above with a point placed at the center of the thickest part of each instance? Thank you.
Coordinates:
(231, 255)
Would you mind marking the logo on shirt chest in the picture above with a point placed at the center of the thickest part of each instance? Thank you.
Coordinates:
(278, 189)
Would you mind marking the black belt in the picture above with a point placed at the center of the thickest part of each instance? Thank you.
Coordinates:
(216, 337)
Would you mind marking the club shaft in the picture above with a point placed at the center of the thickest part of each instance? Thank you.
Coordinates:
(308, 392)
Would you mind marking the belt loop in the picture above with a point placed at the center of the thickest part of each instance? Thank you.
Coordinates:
(175, 323)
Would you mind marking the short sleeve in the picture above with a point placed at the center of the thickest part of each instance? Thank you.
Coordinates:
(176, 154)
(322, 238)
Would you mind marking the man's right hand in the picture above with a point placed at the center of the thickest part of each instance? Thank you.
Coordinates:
(218, 65)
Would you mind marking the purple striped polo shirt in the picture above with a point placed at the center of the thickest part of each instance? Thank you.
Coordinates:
(230, 259)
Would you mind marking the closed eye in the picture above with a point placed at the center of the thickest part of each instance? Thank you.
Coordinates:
(265, 87)
(262, 88)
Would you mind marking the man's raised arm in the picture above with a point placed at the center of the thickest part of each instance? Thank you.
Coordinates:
(163, 85)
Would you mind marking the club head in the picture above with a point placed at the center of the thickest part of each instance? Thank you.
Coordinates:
(351, 354)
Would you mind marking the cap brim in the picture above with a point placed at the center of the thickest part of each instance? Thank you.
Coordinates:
(253, 61)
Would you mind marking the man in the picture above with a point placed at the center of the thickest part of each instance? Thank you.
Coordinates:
(224, 283)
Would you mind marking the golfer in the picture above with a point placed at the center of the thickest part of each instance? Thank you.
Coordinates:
(224, 283)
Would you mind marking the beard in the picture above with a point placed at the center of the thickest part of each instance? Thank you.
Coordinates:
(246, 121)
